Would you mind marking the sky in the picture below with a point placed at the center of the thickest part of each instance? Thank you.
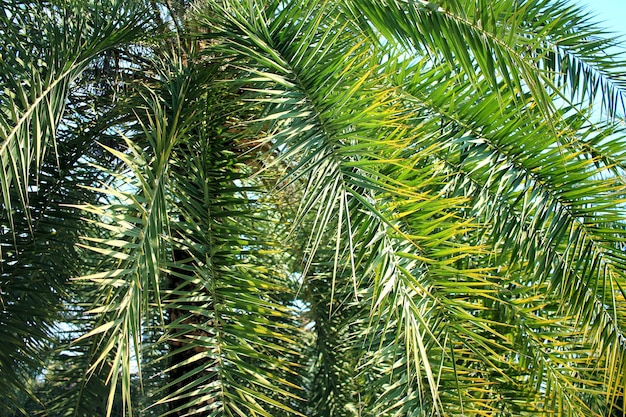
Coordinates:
(610, 13)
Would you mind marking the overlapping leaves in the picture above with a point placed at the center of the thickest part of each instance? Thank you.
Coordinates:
(450, 218)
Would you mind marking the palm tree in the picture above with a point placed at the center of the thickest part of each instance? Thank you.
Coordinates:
(317, 208)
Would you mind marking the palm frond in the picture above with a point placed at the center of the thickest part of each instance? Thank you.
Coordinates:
(43, 53)
(347, 208)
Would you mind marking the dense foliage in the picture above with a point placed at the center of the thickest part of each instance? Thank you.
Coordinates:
(311, 207)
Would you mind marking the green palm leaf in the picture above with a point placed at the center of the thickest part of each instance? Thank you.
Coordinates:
(333, 208)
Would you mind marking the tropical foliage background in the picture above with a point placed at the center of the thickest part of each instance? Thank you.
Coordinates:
(311, 207)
